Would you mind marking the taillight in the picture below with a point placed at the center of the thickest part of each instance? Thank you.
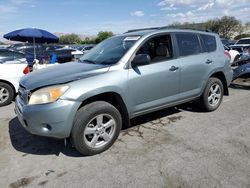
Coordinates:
(227, 54)
(248, 50)
(26, 70)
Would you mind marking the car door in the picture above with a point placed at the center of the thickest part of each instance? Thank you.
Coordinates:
(194, 64)
(156, 84)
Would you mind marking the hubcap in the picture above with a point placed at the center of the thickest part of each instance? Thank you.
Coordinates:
(214, 94)
(4, 94)
(99, 131)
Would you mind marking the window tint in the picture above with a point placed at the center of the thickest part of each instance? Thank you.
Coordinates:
(158, 48)
(188, 44)
(243, 41)
(19, 55)
(209, 42)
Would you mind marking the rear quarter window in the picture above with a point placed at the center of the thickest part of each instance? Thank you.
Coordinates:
(188, 44)
(209, 42)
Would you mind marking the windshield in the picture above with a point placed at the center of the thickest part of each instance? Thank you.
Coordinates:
(110, 51)
(243, 41)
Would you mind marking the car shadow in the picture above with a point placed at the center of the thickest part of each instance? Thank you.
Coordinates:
(191, 107)
(27, 143)
(239, 86)
(242, 83)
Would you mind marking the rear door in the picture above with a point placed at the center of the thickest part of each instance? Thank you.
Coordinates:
(195, 64)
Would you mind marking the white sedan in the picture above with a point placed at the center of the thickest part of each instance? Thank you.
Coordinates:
(10, 74)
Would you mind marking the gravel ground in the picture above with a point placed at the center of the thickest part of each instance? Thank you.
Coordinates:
(177, 147)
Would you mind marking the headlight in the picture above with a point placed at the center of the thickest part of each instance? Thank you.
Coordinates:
(47, 95)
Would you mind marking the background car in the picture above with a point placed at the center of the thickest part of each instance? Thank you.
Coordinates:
(234, 54)
(10, 56)
(13, 66)
(10, 75)
(86, 48)
(243, 47)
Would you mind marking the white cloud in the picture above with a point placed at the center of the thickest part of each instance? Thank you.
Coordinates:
(169, 8)
(137, 13)
(206, 6)
(5, 9)
(202, 10)
(19, 2)
(245, 10)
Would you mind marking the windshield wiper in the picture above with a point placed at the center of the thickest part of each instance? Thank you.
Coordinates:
(87, 61)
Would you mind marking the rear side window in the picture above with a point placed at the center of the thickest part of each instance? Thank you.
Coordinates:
(188, 44)
(209, 42)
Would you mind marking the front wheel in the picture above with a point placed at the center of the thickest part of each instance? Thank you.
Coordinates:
(212, 95)
(96, 127)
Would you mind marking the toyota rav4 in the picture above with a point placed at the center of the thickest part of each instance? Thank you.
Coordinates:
(125, 76)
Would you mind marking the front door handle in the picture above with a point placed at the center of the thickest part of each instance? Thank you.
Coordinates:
(174, 68)
(209, 61)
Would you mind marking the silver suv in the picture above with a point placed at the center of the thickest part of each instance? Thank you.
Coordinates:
(125, 76)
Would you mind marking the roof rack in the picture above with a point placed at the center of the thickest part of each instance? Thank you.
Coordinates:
(142, 29)
(167, 27)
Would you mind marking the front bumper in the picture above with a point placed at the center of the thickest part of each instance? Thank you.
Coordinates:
(52, 120)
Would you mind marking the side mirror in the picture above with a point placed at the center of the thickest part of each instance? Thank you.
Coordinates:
(141, 59)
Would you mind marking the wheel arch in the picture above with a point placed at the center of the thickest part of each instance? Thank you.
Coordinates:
(113, 98)
(220, 75)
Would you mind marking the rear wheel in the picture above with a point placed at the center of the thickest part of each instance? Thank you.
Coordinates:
(212, 95)
(96, 127)
(6, 94)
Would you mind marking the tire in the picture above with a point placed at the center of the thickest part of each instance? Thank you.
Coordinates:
(212, 96)
(237, 58)
(6, 94)
(96, 127)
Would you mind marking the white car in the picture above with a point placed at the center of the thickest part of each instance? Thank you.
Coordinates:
(234, 54)
(10, 74)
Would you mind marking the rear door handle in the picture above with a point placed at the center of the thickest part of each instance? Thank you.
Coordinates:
(209, 61)
(174, 68)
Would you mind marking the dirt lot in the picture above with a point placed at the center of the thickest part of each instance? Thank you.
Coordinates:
(177, 147)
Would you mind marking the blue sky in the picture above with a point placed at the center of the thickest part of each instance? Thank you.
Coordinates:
(87, 17)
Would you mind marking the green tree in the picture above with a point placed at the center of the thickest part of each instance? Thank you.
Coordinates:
(242, 36)
(102, 35)
(70, 39)
(213, 25)
(229, 25)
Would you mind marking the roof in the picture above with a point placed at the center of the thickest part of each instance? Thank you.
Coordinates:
(145, 31)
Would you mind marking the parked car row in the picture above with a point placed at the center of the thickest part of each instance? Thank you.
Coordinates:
(238, 50)
(18, 59)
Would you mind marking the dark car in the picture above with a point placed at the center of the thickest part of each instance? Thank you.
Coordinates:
(242, 46)
(43, 51)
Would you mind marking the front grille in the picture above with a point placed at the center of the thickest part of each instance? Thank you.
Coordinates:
(24, 94)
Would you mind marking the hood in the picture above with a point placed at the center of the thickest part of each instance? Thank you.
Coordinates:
(62, 73)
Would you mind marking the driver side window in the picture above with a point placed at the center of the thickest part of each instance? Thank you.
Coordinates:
(158, 48)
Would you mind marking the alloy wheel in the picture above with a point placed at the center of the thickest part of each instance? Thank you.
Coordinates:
(214, 94)
(99, 131)
(4, 95)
